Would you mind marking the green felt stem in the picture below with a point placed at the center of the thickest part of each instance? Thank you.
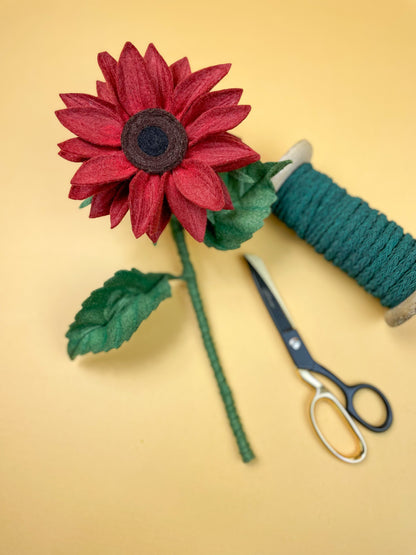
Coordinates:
(190, 277)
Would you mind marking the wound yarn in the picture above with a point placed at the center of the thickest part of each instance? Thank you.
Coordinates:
(358, 239)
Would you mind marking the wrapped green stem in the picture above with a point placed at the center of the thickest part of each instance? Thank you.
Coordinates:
(190, 278)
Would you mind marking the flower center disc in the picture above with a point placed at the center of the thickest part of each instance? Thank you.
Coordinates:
(154, 141)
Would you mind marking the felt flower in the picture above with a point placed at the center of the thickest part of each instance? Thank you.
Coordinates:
(153, 141)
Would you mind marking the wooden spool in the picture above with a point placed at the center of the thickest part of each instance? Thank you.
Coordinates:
(301, 153)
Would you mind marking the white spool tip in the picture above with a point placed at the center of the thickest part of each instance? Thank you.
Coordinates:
(300, 153)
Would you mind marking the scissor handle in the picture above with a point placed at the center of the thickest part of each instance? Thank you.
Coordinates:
(323, 393)
(350, 391)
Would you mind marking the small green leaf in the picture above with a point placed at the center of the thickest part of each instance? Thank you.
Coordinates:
(253, 194)
(86, 202)
(113, 313)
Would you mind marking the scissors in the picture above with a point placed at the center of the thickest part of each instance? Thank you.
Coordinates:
(307, 367)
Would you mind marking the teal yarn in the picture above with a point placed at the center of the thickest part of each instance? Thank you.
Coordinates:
(356, 238)
(189, 277)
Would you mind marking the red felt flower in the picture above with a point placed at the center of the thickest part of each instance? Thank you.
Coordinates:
(153, 140)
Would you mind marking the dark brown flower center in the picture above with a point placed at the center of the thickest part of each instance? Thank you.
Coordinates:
(154, 141)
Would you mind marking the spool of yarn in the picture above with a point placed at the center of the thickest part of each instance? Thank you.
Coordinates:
(349, 233)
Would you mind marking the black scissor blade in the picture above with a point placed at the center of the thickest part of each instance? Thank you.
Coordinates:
(280, 315)
(269, 294)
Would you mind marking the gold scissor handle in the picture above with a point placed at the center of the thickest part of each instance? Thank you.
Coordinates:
(323, 393)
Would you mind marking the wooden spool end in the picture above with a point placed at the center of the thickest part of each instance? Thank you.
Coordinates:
(402, 312)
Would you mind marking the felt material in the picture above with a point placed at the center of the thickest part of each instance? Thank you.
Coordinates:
(108, 66)
(80, 100)
(134, 87)
(103, 91)
(120, 205)
(195, 85)
(199, 184)
(146, 198)
(81, 193)
(216, 120)
(192, 217)
(223, 152)
(113, 144)
(190, 277)
(215, 99)
(160, 218)
(113, 313)
(102, 201)
(104, 169)
(160, 76)
(228, 203)
(96, 126)
(180, 70)
(252, 194)
(151, 143)
(71, 157)
(77, 100)
(83, 149)
(85, 202)
(153, 140)
(176, 137)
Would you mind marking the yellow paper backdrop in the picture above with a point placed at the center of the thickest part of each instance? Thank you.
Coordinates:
(129, 452)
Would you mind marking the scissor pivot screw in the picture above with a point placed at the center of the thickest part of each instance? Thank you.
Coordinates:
(295, 343)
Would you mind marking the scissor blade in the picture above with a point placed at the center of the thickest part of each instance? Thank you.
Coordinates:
(269, 294)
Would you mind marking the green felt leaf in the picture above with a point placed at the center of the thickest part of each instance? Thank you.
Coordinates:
(113, 313)
(86, 202)
(253, 194)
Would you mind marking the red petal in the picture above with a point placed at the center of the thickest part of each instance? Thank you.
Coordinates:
(85, 191)
(159, 222)
(180, 70)
(71, 157)
(145, 197)
(134, 87)
(216, 120)
(104, 92)
(101, 202)
(195, 85)
(160, 76)
(120, 205)
(199, 184)
(192, 217)
(96, 126)
(223, 152)
(228, 203)
(83, 149)
(215, 99)
(79, 100)
(104, 169)
(108, 66)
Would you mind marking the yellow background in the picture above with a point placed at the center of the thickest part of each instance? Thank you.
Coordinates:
(129, 452)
